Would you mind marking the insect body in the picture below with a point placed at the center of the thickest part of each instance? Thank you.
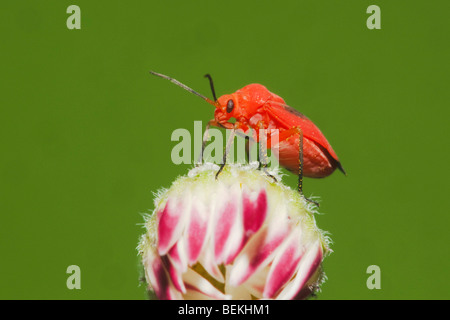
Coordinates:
(256, 107)
(302, 148)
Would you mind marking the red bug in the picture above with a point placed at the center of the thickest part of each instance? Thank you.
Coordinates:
(257, 108)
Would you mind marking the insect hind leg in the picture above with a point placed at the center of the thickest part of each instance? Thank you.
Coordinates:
(284, 136)
(300, 166)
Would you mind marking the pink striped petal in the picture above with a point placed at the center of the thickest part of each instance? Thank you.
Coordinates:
(304, 293)
(308, 265)
(158, 277)
(174, 274)
(205, 211)
(228, 229)
(284, 264)
(258, 252)
(196, 231)
(177, 256)
(254, 211)
(227, 216)
(171, 224)
(207, 261)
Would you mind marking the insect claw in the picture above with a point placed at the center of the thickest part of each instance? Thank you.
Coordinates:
(270, 176)
(263, 167)
(220, 170)
(274, 179)
(312, 201)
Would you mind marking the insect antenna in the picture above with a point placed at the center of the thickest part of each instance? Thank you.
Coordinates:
(211, 83)
(185, 87)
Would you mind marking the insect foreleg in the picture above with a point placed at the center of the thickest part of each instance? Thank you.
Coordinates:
(227, 149)
(205, 139)
(263, 158)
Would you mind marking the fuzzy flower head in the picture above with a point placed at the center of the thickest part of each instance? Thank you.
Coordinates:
(242, 236)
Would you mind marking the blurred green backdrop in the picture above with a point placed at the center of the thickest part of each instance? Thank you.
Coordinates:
(85, 131)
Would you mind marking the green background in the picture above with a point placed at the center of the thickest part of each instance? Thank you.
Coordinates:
(85, 131)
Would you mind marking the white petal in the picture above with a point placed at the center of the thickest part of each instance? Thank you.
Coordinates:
(177, 256)
(236, 293)
(195, 282)
(206, 259)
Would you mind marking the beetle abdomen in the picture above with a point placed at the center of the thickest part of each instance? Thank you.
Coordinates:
(317, 161)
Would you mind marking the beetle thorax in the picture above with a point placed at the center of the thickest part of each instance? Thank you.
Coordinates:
(245, 104)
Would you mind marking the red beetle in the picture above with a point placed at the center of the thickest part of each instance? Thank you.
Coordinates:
(257, 108)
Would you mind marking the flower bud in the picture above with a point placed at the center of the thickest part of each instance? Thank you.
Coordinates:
(242, 236)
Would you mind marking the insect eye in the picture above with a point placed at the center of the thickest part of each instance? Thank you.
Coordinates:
(230, 105)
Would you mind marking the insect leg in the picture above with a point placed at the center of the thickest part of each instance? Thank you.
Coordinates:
(263, 158)
(249, 140)
(300, 167)
(205, 139)
(227, 149)
(284, 136)
(300, 161)
(247, 148)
